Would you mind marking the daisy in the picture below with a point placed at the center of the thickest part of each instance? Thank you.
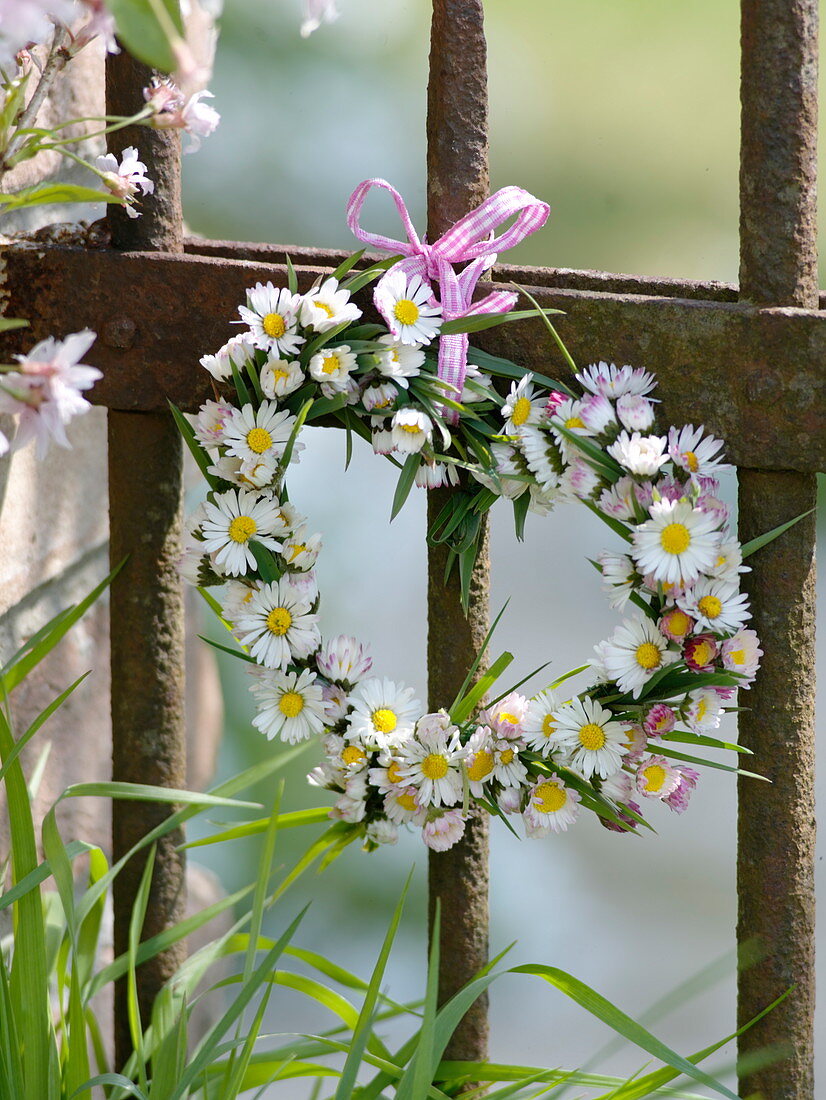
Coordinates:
(551, 807)
(619, 578)
(614, 382)
(385, 776)
(701, 652)
(594, 740)
(742, 654)
(290, 706)
(676, 544)
(344, 660)
(509, 769)
(278, 627)
(703, 711)
(255, 474)
(442, 832)
(656, 778)
(729, 562)
(635, 651)
(380, 399)
(597, 413)
(659, 720)
(382, 831)
(636, 413)
(300, 550)
(347, 756)
(232, 520)
(436, 475)
(336, 703)
(304, 585)
(433, 765)
(382, 440)
(409, 308)
(512, 474)
(411, 430)
(250, 434)
(236, 598)
(523, 406)
(401, 804)
(272, 316)
(676, 625)
(538, 725)
(716, 605)
(636, 742)
(641, 455)
(238, 352)
(690, 451)
(567, 416)
(384, 713)
(280, 377)
(352, 806)
(480, 760)
(125, 179)
(620, 501)
(332, 366)
(399, 361)
(679, 797)
(579, 481)
(505, 717)
(542, 458)
(208, 425)
(326, 306)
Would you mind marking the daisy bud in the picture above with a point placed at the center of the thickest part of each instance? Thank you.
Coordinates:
(659, 720)
(444, 831)
(635, 412)
(700, 652)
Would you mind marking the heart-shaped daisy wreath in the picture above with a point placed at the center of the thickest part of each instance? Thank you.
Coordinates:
(662, 679)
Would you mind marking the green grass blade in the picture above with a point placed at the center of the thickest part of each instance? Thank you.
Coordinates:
(406, 479)
(418, 1076)
(39, 721)
(462, 710)
(754, 545)
(202, 459)
(291, 820)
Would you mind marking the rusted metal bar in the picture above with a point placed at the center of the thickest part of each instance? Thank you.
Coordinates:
(457, 181)
(147, 636)
(754, 376)
(776, 824)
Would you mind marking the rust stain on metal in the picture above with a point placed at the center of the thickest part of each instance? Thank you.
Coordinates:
(145, 501)
(776, 824)
(457, 181)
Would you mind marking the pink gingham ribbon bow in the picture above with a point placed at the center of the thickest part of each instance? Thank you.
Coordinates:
(472, 239)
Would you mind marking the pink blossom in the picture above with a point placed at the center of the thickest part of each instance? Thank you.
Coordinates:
(659, 720)
(636, 413)
(555, 399)
(700, 652)
(679, 797)
(444, 831)
(317, 12)
(676, 625)
(174, 111)
(127, 178)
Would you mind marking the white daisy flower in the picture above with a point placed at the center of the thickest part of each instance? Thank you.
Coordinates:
(702, 711)
(716, 605)
(579, 481)
(551, 807)
(209, 423)
(509, 769)
(614, 382)
(480, 760)
(538, 725)
(412, 314)
(542, 457)
(382, 831)
(618, 788)
(505, 717)
(597, 412)
(278, 626)
(326, 306)
(634, 652)
(250, 434)
(619, 578)
(348, 756)
(636, 413)
(332, 366)
(380, 399)
(289, 706)
(280, 377)
(401, 804)
(344, 660)
(436, 475)
(620, 500)
(253, 474)
(742, 653)
(399, 361)
(300, 550)
(656, 778)
(411, 430)
(567, 415)
(433, 765)
(352, 806)
(238, 352)
(272, 316)
(385, 776)
(384, 713)
(642, 455)
(470, 394)
(233, 520)
(523, 406)
(728, 564)
(690, 451)
(336, 703)
(290, 516)
(443, 831)
(676, 544)
(382, 441)
(513, 475)
(595, 741)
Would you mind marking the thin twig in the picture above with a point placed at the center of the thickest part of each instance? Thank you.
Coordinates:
(55, 63)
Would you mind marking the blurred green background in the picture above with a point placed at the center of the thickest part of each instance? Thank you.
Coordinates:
(623, 115)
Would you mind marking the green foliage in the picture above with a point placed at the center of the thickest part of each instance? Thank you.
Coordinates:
(148, 29)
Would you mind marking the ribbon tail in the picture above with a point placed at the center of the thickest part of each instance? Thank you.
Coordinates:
(453, 368)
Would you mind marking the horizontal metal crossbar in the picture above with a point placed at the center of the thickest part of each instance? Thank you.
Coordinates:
(752, 375)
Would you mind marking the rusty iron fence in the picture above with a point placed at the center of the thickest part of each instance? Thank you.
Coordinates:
(747, 362)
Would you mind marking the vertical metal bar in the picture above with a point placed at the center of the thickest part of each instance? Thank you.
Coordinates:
(776, 824)
(457, 181)
(147, 635)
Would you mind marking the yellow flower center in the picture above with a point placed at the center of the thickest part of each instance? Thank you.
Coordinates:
(323, 307)
(279, 621)
(259, 440)
(506, 716)
(548, 726)
(675, 538)
(710, 606)
(655, 777)
(574, 422)
(407, 802)
(274, 325)
(331, 364)
(591, 736)
(678, 623)
(352, 754)
(413, 429)
(280, 375)
(703, 653)
(548, 798)
(691, 461)
(291, 704)
(435, 766)
(738, 656)
(506, 757)
(521, 412)
(482, 766)
(393, 772)
(296, 548)
(702, 707)
(242, 528)
(648, 656)
(406, 312)
(384, 720)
